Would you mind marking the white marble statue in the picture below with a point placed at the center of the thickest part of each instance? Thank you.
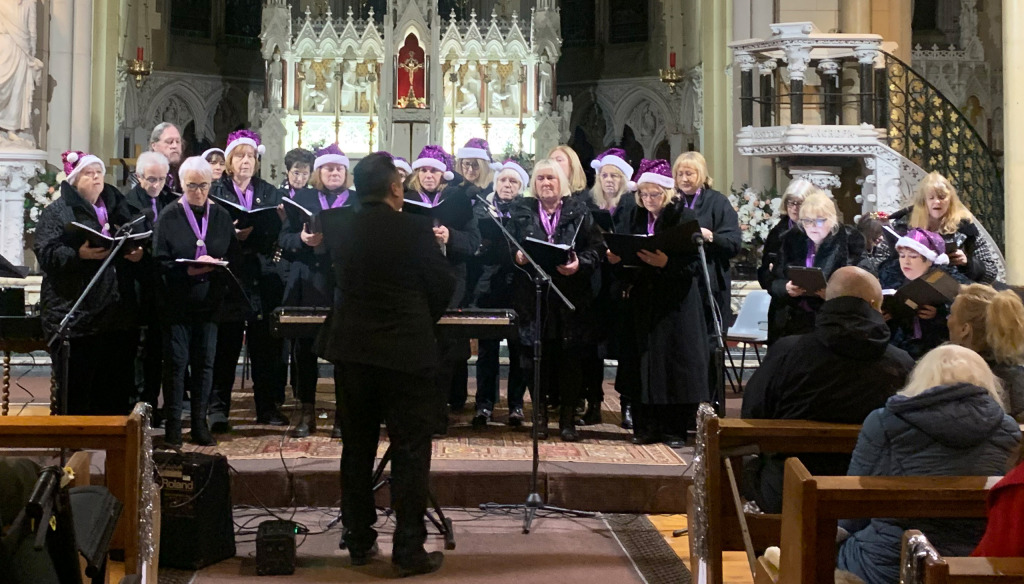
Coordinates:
(544, 74)
(470, 90)
(19, 68)
(275, 72)
(499, 98)
(352, 87)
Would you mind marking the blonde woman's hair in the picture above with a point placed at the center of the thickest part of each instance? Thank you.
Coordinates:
(798, 189)
(413, 180)
(940, 185)
(236, 152)
(563, 182)
(997, 322)
(318, 184)
(694, 160)
(948, 364)
(577, 178)
(598, 194)
(666, 198)
(818, 204)
(486, 172)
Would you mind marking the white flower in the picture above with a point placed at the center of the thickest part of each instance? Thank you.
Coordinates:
(33, 213)
(41, 188)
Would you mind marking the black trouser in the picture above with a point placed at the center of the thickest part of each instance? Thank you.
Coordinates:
(453, 371)
(593, 375)
(266, 360)
(306, 371)
(225, 362)
(101, 373)
(192, 348)
(560, 368)
(152, 363)
(488, 375)
(369, 394)
(664, 420)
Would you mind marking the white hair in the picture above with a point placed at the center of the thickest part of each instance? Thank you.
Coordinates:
(514, 174)
(149, 159)
(195, 164)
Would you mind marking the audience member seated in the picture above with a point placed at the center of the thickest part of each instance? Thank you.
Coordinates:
(1004, 534)
(837, 373)
(992, 324)
(947, 421)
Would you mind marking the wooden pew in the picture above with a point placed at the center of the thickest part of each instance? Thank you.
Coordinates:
(921, 564)
(812, 506)
(722, 529)
(122, 439)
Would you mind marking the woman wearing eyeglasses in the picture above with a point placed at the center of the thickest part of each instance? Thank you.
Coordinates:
(818, 242)
(789, 209)
(192, 229)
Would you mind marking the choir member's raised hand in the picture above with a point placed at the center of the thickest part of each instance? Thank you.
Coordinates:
(441, 234)
(656, 258)
(570, 268)
(134, 255)
(926, 312)
(612, 258)
(520, 258)
(958, 258)
(88, 252)
(794, 290)
(311, 239)
(200, 270)
(242, 234)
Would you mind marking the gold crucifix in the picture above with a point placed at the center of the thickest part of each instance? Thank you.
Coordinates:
(411, 66)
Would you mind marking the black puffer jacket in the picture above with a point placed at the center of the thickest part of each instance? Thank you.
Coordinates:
(111, 304)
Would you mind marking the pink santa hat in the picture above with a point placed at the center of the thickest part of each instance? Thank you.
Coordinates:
(656, 171)
(76, 160)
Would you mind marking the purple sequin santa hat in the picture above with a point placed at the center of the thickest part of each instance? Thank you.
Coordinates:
(513, 165)
(243, 138)
(76, 160)
(655, 171)
(330, 154)
(615, 157)
(478, 148)
(927, 243)
(435, 157)
(400, 163)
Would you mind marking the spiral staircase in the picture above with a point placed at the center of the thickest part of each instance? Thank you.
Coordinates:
(840, 105)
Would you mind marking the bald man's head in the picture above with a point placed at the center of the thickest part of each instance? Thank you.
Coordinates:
(853, 281)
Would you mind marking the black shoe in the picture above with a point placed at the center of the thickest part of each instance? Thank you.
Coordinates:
(199, 433)
(336, 432)
(172, 434)
(516, 417)
(429, 564)
(363, 558)
(272, 418)
(220, 427)
(644, 439)
(570, 435)
(157, 420)
(593, 414)
(627, 417)
(673, 441)
(307, 422)
(481, 418)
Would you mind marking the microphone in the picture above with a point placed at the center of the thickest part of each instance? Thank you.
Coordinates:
(698, 238)
(127, 227)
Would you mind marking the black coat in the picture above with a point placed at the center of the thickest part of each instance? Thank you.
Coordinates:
(838, 373)
(571, 328)
(666, 309)
(715, 212)
(255, 268)
(904, 325)
(145, 272)
(981, 266)
(183, 298)
(111, 304)
(770, 252)
(795, 316)
(394, 286)
(609, 302)
(139, 200)
(494, 286)
(464, 239)
(309, 278)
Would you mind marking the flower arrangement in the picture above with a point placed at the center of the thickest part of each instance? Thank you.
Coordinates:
(522, 158)
(45, 189)
(758, 212)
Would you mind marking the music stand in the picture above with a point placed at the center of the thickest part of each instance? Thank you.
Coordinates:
(534, 502)
(718, 356)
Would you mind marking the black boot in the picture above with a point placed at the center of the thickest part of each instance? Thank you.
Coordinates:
(307, 422)
(336, 430)
(200, 431)
(172, 432)
(593, 414)
(566, 424)
(627, 416)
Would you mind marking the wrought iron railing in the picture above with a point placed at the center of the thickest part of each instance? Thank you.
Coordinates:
(927, 128)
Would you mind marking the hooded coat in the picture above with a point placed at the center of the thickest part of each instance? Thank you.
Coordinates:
(838, 373)
(948, 430)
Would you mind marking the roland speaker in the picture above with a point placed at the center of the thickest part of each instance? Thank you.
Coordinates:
(195, 502)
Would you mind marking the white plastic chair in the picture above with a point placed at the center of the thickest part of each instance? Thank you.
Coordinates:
(751, 329)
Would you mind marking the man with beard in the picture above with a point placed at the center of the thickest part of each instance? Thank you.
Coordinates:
(165, 139)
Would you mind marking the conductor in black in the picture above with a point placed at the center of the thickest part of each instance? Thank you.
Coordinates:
(394, 286)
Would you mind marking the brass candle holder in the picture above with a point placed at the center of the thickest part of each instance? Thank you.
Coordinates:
(672, 77)
(139, 69)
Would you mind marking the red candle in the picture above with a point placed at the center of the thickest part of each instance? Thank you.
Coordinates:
(138, 54)
(671, 59)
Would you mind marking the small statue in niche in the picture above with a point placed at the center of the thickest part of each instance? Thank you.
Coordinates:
(544, 80)
(275, 73)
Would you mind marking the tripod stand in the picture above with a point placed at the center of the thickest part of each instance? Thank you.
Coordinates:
(534, 502)
(437, 517)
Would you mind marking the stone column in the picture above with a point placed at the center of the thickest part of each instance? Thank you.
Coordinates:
(797, 58)
(16, 168)
(718, 138)
(1013, 148)
(854, 16)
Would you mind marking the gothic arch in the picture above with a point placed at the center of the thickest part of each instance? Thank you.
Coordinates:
(186, 94)
(647, 113)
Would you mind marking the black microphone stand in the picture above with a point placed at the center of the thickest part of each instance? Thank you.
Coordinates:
(534, 502)
(719, 356)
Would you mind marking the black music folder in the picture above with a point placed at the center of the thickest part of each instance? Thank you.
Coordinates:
(548, 255)
(9, 270)
(202, 263)
(260, 217)
(936, 288)
(810, 279)
(299, 215)
(676, 240)
(333, 223)
(453, 212)
(603, 218)
(82, 233)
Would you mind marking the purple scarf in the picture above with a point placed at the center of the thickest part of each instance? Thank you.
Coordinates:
(200, 233)
(692, 203)
(433, 203)
(338, 200)
(550, 223)
(101, 215)
(651, 218)
(811, 252)
(244, 197)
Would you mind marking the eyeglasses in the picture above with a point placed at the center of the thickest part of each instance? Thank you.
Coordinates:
(819, 222)
(198, 186)
(651, 196)
(154, 180)
(794, 204)
(470, 164)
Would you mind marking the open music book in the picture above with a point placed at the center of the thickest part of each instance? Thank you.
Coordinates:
(676, 240)
(247, 217)
(453, 212)
(97, 239)
(547, 255)
(936, 288)
(214, 264)
(298, 214)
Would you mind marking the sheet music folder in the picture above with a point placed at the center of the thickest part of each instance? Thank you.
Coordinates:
(810, 279)
(676, 240)
(936, 288)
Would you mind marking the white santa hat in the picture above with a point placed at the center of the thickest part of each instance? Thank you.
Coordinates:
(930, 245)
(76, 160)
(615, 157)
(332, 154)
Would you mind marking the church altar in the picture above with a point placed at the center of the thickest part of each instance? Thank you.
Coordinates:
(408, 78)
